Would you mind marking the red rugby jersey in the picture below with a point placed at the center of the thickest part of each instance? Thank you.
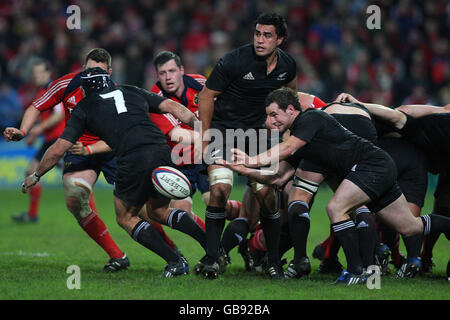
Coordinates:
(65, 90)
(193, 84)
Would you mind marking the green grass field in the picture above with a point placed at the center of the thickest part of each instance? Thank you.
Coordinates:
(34, 259)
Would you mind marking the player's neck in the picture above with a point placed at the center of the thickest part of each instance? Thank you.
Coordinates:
(271, 61)
(179, 91)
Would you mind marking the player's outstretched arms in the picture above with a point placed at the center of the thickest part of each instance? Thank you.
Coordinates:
(395, 117)
(49, 160)
(99, 147)
(277, 177)
(421, 110)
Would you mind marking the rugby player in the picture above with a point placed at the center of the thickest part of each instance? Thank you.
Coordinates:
(367, 173)
(232, 98)
(80, 172)
(119, 116)
(51, 125)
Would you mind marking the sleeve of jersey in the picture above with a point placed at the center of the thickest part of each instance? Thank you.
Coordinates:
(306, 126)
(318, 103)
(53, 95)
(222, 74)
(165, 122)
(153, 100)
(75, 126)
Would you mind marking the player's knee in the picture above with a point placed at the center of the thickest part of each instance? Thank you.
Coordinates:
(411, 229)
(206, 197)
(334, 210)
(77, 192)
(220, 176)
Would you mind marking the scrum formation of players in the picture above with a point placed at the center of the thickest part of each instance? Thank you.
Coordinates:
(375, 159)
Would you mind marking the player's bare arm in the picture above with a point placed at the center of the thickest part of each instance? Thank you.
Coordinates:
(206, 108)
(29, 119)
(178, 111)
(278, 153)
(292, 84)
(50, 159)
(48, 123)
(99, 147)
(420, 110)
(397, 118)
(277, 177)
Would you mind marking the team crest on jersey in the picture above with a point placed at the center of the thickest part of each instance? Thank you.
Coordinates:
(196, 99)
(67, 164)
(282, 76)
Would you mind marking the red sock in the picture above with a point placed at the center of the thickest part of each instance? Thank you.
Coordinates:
(96, 229)
(199, 221)
(325, 243)
(163, 234)
(332, 248)
(234, 208)
(92, 203)
(256, 243)
(35, 196)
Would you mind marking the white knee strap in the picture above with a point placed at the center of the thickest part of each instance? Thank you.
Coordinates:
(80, 189)
(256, 186)
(220, 175)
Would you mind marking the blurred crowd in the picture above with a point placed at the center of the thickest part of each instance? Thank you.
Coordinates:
(406, 61)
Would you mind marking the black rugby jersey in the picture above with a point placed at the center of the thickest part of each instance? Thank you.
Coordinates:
(356, 123)
(242, 78)
(329, 144)
(119, 116)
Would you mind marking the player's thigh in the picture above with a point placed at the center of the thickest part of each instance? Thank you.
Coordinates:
(346, 198)
(398, 216)
(158, 209)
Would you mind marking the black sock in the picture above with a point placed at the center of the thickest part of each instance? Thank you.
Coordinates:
(235, 232)
(346, 232)
(367, 233)
(299, 224)
(413, 245)
(434, 223)
(214, 222)
(181, 220)
(285, 239)
(270, 224)
(146, 235)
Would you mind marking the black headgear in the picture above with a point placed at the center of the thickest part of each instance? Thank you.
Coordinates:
(94, 80)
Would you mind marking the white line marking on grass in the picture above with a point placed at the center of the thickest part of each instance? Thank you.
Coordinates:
(26, 254)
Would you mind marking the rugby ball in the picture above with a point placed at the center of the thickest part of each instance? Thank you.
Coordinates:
(171, 183)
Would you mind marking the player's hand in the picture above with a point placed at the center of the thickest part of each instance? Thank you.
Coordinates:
(346, 97)
(240, 157)
(13, 134)
(79, 150)
(239, 168)
(30, 181)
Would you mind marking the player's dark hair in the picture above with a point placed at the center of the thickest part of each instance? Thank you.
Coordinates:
(164, 57)
(99, 55)
(274, 19)
(284, 97)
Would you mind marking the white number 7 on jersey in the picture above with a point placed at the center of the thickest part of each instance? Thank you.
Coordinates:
(119, 101)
